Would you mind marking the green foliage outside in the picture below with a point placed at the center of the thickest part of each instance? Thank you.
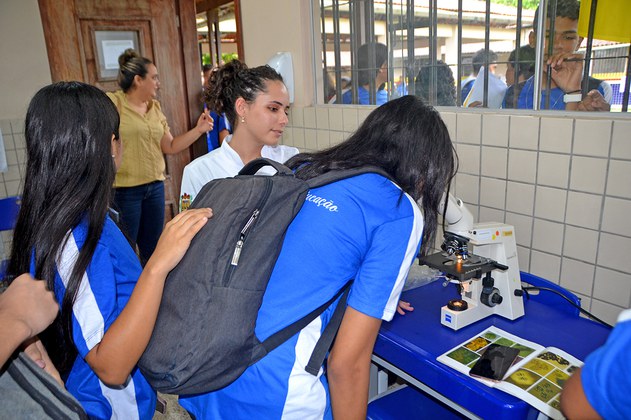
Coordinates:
(225, 57)
(525, 4)
(228, 57)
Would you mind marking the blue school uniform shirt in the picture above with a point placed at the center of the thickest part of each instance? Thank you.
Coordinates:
(361, 228)
(606, 375)
(219, 123)
(466, 89)
(363, 96)
(556, 95)
(105, 289)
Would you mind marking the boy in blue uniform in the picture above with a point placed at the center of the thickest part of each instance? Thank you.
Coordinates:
(372, 66)
(566, 67)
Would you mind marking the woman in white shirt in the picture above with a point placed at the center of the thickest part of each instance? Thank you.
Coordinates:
(256, 103)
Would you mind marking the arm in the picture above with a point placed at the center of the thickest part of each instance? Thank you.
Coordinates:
(124, 342)
(348, 368)
(567, 73)
(172, 145)
(26, 308)
(574, 403)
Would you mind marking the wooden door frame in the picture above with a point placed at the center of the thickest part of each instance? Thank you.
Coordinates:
(210, 5)
(179, 67)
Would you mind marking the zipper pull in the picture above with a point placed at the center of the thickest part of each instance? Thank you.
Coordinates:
(237, 253)
(251, 220)
(239, 246)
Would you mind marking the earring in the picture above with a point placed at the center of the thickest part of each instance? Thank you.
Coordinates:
(242, 119)
(114, 156)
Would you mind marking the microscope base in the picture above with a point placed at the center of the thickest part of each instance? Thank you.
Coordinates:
(460, 319)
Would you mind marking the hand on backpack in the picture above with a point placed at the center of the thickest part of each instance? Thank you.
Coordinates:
(176, 238)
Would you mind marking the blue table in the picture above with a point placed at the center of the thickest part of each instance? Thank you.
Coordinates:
(410, 344)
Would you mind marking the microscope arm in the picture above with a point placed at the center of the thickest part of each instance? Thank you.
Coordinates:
(459, 219)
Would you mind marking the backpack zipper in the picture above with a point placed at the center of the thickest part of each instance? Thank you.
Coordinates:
(244, 231)
(236, 254)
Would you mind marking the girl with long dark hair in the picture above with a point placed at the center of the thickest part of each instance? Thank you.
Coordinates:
(368, 228)
(65, 236)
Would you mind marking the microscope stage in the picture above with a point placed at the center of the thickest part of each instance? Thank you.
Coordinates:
(459, 269)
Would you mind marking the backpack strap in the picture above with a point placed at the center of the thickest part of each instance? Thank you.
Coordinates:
(328, 335)
(326, 339)
(253, 167)
(336, 175)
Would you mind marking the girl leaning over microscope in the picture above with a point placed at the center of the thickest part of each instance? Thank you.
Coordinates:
(371, 235)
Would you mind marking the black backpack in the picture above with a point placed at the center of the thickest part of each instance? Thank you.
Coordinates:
(204, 336)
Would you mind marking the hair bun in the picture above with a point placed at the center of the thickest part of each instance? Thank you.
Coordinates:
(127, 55)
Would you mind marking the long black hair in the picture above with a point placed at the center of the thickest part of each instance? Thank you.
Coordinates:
(69, 177)
(407, 139)
(445, 85)
(236, 80)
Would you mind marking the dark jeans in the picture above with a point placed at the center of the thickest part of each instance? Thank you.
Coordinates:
(142, 214)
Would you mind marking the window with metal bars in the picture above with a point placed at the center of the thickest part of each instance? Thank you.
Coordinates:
(376, 50)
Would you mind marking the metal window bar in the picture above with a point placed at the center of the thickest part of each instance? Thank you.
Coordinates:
(627, 79)
(325, 67)
(517, 63)
(459, 97)
(551, 39)
(433, 50)
(410, 22)
(391, 39)
(588, 51)
(368, 14)
(487, 48)
(353, 48)
(337, 50)
(541, 33)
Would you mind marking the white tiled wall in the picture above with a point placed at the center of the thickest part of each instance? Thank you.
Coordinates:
(10, 181)
(563, 181)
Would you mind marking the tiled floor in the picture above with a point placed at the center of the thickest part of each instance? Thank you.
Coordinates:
(174, 411)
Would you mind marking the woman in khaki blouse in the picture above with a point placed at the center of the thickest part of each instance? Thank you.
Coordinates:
(139, 186)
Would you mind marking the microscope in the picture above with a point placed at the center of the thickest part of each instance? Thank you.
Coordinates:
(488, 276)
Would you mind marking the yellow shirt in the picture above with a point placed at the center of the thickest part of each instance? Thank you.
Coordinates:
(143, 161)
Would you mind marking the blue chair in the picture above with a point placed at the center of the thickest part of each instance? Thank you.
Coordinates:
(9, 209)
(406, 402)
(549, 297)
